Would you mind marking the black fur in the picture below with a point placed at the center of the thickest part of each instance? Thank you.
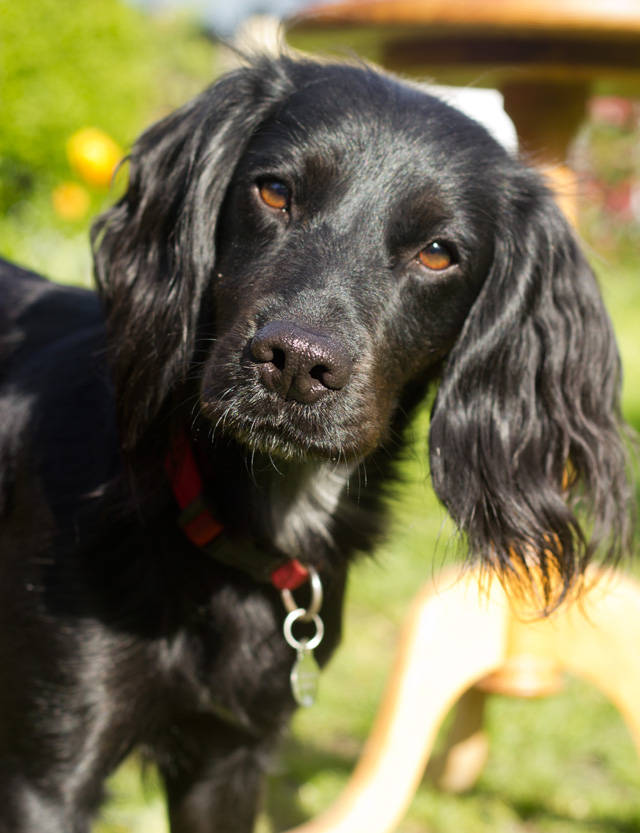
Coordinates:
(294, 345)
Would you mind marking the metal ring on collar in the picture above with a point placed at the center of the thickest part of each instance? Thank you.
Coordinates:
(307, 645)
(316, 597)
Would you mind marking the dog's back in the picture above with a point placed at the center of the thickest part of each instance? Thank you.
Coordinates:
(36, 314)
(51, 365)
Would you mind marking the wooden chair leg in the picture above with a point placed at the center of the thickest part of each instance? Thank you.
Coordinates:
(597, 638)
(454, 635)
(459, 765)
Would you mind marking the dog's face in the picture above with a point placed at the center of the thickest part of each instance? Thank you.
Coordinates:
(353, 240)
(303, 245)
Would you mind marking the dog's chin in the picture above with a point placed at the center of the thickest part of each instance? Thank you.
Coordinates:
(290, 441)
(293, 449)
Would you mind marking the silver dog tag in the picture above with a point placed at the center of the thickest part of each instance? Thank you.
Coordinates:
(304, 676)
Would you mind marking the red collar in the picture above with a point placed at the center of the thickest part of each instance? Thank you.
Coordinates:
(203, 530)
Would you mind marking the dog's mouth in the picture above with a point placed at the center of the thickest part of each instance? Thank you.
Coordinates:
(266, 423)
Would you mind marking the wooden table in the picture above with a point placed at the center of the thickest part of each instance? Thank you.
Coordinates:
(546, 56)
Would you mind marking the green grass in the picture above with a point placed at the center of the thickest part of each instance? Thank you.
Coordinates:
(621, 288)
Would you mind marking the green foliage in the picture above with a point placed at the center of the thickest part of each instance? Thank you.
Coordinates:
(69, 65)
(66, 65)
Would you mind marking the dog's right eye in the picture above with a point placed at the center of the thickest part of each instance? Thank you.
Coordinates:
(436, 257)
(275, 194)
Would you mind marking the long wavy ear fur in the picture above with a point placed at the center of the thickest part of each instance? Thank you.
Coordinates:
(154, 250)
(526, 442)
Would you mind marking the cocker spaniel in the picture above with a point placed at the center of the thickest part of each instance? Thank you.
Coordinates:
(301, 252)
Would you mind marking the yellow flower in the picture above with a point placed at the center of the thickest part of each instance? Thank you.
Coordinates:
(94, 156)
(70, 201)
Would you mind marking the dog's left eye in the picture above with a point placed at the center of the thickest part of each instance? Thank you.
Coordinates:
(275, 194)
(436, 256)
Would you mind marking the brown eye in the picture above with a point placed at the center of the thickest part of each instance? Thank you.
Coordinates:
(436, 256)
(275, 194)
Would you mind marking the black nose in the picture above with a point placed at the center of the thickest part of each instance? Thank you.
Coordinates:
(299, 364)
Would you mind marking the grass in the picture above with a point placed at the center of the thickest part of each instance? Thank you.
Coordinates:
(564, 764)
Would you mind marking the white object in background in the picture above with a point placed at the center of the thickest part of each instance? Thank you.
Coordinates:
(484, 106)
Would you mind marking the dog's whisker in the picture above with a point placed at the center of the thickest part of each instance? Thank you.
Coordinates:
(273, 464)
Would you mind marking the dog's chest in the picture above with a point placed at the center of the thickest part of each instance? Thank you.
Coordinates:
(303, 510)
(233, 661)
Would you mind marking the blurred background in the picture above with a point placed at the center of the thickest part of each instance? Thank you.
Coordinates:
(78, 81)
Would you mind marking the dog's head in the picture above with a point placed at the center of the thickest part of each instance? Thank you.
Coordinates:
(311, 241)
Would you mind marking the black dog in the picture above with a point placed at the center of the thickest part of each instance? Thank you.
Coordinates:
(300, 252)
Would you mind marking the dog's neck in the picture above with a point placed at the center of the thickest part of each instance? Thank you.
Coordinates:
(291, 505)
(304, 504)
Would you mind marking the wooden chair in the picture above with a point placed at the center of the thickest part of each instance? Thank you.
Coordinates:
(459, 644)
(457, 634)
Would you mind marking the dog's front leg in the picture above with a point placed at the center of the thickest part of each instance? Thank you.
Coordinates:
(213, 781)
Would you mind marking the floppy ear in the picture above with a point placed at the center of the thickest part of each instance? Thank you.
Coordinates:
(526, 450)
(154, 251)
